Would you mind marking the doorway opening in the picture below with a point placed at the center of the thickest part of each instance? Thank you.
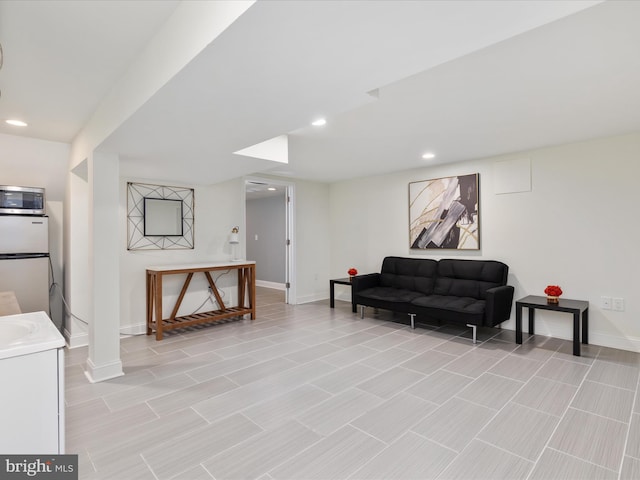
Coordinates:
(269, 226)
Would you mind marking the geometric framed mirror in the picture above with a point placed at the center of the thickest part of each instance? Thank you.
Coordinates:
(159, 217)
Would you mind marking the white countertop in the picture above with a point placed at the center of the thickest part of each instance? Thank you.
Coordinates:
(27, 333)
(215, 264)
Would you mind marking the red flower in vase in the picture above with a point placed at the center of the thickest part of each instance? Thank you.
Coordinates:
(352, 272)
(553, 290)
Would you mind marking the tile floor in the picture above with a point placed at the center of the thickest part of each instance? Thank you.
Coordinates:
(309, 392)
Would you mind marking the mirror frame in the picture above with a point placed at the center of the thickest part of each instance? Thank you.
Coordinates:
(136, 238)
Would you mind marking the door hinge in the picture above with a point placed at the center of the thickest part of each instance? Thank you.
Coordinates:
(288, 242)
(288, 285)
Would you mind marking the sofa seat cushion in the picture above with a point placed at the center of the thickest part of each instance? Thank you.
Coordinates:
(450, 308)
(390, 294)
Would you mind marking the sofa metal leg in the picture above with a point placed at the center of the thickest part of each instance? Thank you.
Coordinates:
(413, 320)
(361, 311)
(475, 330)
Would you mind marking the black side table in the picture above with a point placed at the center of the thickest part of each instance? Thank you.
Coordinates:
(339, 281)
(576, 307)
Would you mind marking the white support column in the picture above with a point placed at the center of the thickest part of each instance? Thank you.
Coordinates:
(104, 329)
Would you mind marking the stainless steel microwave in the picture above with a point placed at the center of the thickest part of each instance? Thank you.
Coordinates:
(21, 200)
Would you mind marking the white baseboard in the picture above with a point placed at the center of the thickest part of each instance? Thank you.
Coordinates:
(622, 343)
(274, 285)
(100, 373)
(82, 339)
(344, 296)
(76, 340)
(136, 329)
(314, 297)
(631, 344)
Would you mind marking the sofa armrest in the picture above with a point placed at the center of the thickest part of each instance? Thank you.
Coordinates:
(498, 307)
(362, 282)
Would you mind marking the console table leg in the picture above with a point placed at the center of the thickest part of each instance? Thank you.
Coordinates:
(532, 313)
(576, 334)
(150, 297)
(585, 326)
(158, 291)
(518, 324)
(251, 273)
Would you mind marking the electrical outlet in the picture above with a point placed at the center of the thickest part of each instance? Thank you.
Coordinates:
(618, 304)
(605, 303)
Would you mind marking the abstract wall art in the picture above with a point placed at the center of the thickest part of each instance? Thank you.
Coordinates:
(444, 213)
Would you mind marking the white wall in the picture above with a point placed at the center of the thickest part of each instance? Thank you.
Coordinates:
(34, 163)
(76, 252)
(55, 211)
(312, 241)
(218, 208)
(40, 163)
(576, 228)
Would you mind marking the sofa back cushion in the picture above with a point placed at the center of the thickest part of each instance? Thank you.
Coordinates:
(415, 274)
(469, 278)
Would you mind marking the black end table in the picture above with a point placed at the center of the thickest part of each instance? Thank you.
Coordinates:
(579, 308)
(339, 281)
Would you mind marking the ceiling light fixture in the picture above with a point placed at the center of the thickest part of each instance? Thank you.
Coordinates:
(428, 155)
(271, 189)
(16, 123)
(319, 122)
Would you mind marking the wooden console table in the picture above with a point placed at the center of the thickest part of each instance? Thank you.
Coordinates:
(246, 284)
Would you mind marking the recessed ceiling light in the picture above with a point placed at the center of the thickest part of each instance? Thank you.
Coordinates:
(319, 122)
(428, 155)
(272, 189)
(17, 123)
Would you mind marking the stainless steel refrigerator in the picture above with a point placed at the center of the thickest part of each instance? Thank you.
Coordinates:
(24, 260)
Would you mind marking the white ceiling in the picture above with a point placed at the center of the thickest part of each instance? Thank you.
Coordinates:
(464, 79)
(62, 57)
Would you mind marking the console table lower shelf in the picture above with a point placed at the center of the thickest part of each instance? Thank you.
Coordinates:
(246, 288)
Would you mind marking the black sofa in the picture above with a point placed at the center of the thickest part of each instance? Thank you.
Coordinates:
(469, 292)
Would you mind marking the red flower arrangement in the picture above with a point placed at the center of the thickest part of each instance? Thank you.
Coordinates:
(352, 272)
(553, 290)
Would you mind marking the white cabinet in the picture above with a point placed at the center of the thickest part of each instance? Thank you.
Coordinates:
(32, 380)
(30, 409)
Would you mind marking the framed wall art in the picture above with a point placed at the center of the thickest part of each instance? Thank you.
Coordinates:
(444, 213)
